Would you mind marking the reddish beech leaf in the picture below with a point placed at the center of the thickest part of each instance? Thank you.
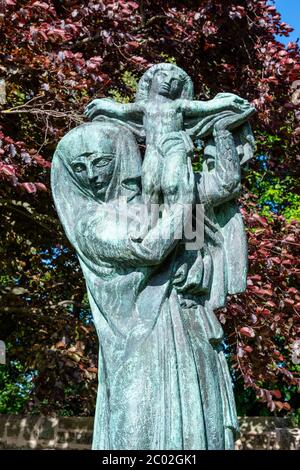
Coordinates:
(292, 290)
(133, 44)
(41, 161)
(41, 187)
(138, 60)
(279, 356)
(268, 395)
(255, 277)
(289, 301)
(29, 187)
(86, 330)
(273, 80)
(271, 405)
(276, 260)
(287, 262)
(264, 292)
(42, 5)
(276, 393)
(270, 303)
(289, 238)
(247, 331)
(278, 404)
(265, 312)
(96, 59)
(240, 351)
(133, 5)
(286, 406)
(7, 169)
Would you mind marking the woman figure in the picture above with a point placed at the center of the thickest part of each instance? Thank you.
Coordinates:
(163, 378)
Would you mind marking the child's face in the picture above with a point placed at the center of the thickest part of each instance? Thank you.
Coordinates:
(167, 83)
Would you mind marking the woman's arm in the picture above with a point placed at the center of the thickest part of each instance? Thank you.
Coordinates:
(101, 234)
(223, 183)
(99, 238)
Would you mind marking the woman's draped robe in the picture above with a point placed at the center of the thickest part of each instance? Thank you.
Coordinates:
(163, 378)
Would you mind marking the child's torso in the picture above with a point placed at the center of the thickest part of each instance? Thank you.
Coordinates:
(161, 119)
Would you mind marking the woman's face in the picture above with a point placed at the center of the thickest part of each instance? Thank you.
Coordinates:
(94, 169)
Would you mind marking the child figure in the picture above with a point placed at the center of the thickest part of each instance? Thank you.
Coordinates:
(164, 105)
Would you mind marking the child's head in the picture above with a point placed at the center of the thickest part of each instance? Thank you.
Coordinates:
(167, 80)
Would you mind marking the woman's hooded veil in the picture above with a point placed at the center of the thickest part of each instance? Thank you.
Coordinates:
(123, 312)
(71, 198)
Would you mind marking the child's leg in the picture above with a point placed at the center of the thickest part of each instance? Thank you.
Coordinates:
(171, 177)
(151, 175)
(179, 150)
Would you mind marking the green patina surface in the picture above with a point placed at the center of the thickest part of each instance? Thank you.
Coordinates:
(163, 378)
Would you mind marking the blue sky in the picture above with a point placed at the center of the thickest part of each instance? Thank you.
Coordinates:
(290, 11)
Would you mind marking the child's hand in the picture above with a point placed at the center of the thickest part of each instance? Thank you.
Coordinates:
(96, 106)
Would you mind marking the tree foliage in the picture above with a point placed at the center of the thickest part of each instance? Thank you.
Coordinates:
(57, 55)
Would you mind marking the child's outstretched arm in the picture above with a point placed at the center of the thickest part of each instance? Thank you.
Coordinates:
(222, 102)
(110, 108)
